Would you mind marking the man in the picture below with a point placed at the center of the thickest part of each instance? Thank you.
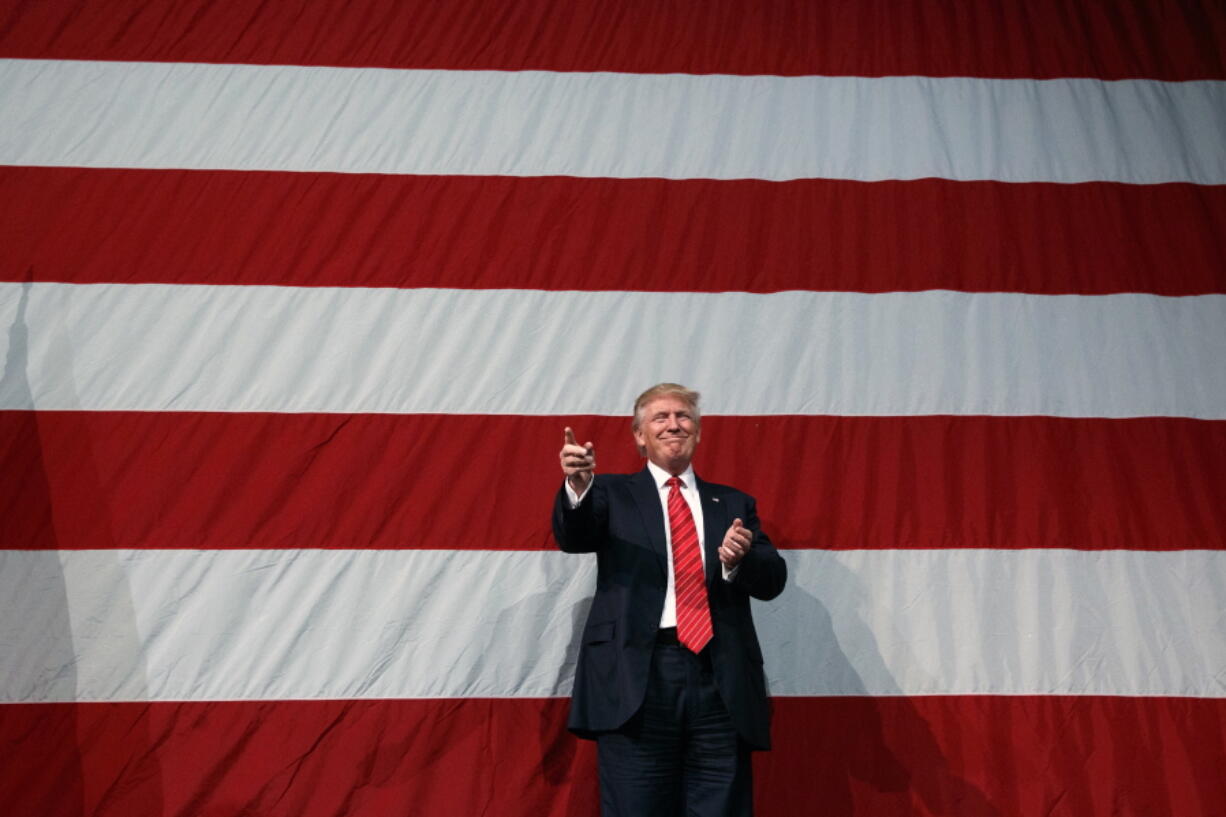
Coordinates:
(669, 680)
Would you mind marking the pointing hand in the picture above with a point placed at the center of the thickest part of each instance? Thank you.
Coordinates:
(578, 462)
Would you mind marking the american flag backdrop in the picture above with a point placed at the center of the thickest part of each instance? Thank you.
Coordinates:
(296, 299)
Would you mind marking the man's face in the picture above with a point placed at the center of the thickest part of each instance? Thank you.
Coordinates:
(668, 433)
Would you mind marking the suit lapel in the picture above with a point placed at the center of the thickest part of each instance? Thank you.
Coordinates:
(713, 526)
(647, 497)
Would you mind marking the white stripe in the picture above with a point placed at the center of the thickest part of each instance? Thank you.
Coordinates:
(235, 348)
(211, 625)
(534, 123)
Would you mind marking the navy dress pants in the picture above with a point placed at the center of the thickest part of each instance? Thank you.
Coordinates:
(680, 754)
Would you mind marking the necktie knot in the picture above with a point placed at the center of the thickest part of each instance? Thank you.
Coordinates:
(675, 483)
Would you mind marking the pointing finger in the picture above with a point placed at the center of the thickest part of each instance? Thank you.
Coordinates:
(570, 437)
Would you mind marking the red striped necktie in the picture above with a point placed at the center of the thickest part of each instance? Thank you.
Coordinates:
(693, 611)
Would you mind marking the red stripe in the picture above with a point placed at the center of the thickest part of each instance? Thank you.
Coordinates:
(1162, 39)
(993, 755)
(199, 480)
(299, 759)
(164, 226)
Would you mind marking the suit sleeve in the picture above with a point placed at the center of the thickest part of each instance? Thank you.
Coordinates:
(762, 573)
(584, 529)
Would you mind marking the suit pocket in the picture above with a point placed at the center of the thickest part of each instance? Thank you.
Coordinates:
(599, 633)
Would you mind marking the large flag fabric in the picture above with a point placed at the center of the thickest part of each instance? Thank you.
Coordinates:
(297, 299)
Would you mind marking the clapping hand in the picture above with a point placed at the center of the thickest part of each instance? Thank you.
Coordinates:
(736, 544)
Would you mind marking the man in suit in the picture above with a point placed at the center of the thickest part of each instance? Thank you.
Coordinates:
(669, 680)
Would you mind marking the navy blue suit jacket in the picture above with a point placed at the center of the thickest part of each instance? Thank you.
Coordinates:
(621, 521)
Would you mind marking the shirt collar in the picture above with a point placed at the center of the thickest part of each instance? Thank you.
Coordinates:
(661, 477)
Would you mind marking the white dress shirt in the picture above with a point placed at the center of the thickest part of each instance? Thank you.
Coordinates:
(689, 492)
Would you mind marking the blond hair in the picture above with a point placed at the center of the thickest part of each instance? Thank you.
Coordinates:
(687, 396)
